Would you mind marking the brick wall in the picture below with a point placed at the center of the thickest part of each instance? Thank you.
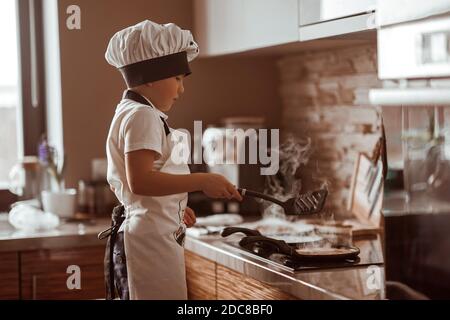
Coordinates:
(325, 98)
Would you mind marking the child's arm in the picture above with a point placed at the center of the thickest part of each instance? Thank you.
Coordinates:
(142, 180)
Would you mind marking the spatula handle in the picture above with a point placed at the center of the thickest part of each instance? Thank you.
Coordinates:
(255, 194)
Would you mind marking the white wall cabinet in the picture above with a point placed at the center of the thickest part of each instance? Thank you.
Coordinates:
(315, 11)
(232, 26)
(328, 18)
(223, 27)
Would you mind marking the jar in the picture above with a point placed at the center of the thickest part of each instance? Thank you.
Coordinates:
(25, 178)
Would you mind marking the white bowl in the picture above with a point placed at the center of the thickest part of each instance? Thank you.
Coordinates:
(62, 203)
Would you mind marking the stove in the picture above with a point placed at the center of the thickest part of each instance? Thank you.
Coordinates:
(270, 256)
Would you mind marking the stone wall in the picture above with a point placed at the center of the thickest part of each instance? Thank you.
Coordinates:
(325, 98)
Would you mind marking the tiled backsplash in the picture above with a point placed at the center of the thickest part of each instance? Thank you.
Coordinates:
(325, 98)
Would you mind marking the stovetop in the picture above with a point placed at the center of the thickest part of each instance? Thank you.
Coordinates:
(286, 262)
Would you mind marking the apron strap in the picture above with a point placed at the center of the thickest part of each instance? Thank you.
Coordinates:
(112, 287)
(118, 216)
(131, 95)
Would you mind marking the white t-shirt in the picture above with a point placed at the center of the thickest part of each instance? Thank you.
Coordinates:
(135, 126)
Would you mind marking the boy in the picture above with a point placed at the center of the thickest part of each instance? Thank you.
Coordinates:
(152, 186)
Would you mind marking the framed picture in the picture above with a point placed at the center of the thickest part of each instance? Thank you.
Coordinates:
(366, 192)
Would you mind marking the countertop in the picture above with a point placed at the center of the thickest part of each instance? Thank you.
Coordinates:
(72, 234)
(363, 282)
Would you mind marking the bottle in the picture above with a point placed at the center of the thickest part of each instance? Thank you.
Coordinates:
(82, 197)
(24, 179)
(90, 198)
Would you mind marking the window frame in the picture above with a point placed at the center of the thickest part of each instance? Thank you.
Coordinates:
(31, 82)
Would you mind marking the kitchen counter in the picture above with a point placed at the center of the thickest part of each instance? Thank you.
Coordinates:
(359, 282)
(68, 235)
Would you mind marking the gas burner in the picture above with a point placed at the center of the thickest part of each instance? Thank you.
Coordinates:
(261, 248)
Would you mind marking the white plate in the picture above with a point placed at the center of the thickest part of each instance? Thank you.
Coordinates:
(296, 238)
(219, 220)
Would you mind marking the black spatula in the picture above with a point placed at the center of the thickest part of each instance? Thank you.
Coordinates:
(306, 203)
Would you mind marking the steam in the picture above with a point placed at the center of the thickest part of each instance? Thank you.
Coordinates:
(293, 153)
(323, 183)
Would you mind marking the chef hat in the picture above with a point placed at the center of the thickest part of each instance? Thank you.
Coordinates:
(150, 51)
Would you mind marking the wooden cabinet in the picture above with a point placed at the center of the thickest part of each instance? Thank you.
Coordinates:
(200, 277)
(9, 276)
(207, 280)
(232, 285)
(45, 273)
(231, 26)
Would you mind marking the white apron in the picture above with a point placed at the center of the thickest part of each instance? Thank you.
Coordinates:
(154, 237)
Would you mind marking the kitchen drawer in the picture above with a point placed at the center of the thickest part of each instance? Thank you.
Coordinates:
(9, 276)
(44, 274)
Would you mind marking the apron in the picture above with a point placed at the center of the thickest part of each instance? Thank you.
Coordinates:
(154, 234)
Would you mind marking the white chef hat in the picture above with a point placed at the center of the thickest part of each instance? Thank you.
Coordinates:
(149, 51)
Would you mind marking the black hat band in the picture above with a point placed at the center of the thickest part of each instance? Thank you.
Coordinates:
(156, 69)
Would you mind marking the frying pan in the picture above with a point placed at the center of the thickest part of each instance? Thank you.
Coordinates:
(254, 237)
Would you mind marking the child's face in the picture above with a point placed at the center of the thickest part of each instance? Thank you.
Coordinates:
(165, 92)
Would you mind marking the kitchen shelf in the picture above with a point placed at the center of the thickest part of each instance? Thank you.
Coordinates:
(410, 97)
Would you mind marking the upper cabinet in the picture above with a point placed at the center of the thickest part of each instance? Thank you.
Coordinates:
(328, 18)
(232, 26)
(314, 11)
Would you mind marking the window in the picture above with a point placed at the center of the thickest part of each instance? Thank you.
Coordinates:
(22, 89)
(10, 144)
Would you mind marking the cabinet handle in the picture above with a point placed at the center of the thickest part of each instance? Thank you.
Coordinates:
(34, 287)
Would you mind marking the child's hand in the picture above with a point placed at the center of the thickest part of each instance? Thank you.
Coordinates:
(217, 186)
(189, 218)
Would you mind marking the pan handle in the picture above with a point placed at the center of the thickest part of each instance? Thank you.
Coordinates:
(255, 194)
(248, 232)
(281, 245)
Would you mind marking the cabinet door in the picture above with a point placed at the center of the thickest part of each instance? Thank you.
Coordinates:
(232, 285)
(9, 276)
(200, 277)
(231, 26)
(314, 11)
(49, 274)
